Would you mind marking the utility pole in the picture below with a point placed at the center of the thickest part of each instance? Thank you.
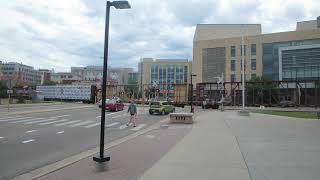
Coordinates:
(242, 69)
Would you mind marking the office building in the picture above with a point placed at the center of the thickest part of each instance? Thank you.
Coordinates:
(117, 76)
(65, 78)
(45, 75)
(19, 73)
(293, 55)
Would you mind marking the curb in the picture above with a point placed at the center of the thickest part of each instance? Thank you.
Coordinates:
(37, 173)
(41, 111)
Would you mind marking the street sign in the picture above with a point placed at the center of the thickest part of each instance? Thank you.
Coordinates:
(9, 91)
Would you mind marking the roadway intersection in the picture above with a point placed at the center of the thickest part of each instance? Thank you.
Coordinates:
(29, 141)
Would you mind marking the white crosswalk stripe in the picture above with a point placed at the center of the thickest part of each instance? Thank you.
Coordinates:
(80, 124)
(40, 121)
(24, 120)
(61, 116)
(123, 126)
(140, 126)
(112, 124)
(16, 119)
(92, 125)
(66, 123)
(52, 122)
(12, 117)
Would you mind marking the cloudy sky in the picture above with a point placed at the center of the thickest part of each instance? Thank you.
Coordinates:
(62, 33)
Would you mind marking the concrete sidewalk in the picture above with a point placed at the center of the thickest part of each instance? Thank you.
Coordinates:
(209, 151)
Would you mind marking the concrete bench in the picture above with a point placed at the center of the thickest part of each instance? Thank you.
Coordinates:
(184, 118)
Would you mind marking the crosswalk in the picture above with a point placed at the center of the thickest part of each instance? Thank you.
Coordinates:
(67, 121)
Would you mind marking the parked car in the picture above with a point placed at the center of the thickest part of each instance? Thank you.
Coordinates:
(210, 103)
(161, 107)
(286, 103)
(114, 105)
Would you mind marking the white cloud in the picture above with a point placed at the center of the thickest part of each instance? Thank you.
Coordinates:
(59, 34)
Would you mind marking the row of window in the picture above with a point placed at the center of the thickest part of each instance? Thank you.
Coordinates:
(253, 50)
(233, 77)
(169, 73)
(253, 65)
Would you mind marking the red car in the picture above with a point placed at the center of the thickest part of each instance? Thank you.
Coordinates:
(114, 105)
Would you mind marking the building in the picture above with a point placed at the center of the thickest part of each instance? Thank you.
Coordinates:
(163, 73)
(132, 77)
(65, 78)
(94, 73)
(19, 73)
(293, 55)
(89, 73)
(45, 75)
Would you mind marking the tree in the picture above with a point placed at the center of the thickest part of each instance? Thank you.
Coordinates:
(3, 89)
(260, 89)
(48, 83)
(132, 88)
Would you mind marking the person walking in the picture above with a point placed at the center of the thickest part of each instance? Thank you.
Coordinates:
(133, 114)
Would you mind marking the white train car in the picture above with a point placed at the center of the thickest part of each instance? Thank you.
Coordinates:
(84, 93)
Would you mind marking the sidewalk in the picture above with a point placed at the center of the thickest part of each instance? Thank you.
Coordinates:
(209, 151)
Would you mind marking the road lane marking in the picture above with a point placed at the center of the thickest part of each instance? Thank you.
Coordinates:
(80, 124)
(20, 121)
(17, 119)
(60, 116)
(52, 122)
(92, 125)
(40, 121)
(114, 113)
(30, 131)
(27, 141)
(98, 117)
(117, 116)
(2, 137)
(112, 124)
(123, 126)
(60, 132)
(4, 118)
(140, 126)
(66, 123)
(28, 120)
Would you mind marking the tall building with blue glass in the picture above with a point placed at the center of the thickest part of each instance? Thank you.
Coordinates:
(292, 55)
(164, 73)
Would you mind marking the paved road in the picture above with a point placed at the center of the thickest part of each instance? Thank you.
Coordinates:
(40, 106)
(30, 141)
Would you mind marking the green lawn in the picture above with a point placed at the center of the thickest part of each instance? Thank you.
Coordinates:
(306, 115)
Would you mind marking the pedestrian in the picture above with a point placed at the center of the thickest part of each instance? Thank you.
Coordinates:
(133, 114)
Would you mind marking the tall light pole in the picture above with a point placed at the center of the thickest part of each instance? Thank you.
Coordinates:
(242, 68)
(191, 109)
(117, 5)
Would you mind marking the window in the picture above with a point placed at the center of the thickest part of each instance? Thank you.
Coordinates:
(185, 74)
(179, 73)
(243, 50)
(233, 51)
(253, 64)
(233, 65)
(69, 76)
(253, 75)
(253, 49)
(154, 72)
(233, 78)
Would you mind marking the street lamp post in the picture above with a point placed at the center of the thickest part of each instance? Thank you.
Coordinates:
(191, 109)
(117, 5)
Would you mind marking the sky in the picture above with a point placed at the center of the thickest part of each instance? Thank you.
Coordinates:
(58, 34)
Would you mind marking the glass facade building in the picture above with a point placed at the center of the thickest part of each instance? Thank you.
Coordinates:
(292, 68)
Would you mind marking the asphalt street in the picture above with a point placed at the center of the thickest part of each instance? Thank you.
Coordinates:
(31, 141)
(40, 106)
